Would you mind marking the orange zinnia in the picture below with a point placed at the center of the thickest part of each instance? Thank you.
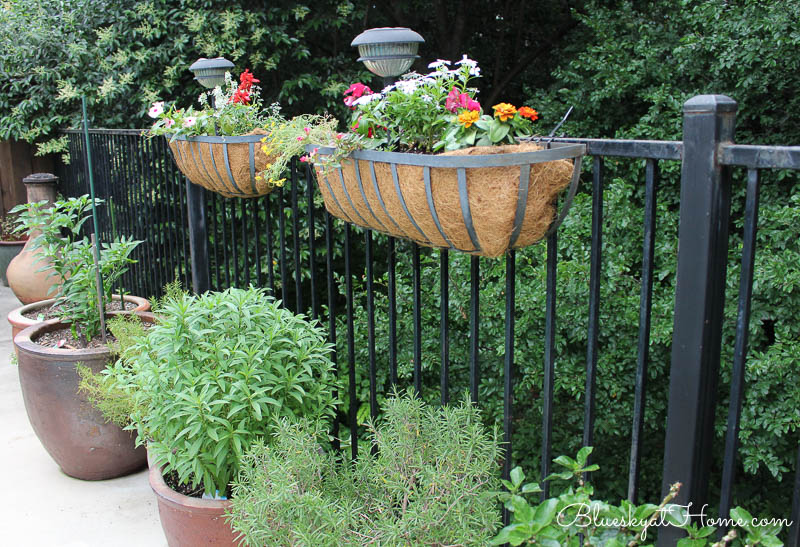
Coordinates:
(528, 112)
(468, 117)
(504, 111)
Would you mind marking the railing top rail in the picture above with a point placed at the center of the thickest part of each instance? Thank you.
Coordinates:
(134, 132)
(629, 148)
(760, 157)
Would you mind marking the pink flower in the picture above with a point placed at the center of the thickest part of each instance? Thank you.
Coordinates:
(307, 130)
(451, 103)
(339, 135)
(169, 122)
(355, 91)
(189, 122)
(156, 110)
(304, 159)
(300, 138)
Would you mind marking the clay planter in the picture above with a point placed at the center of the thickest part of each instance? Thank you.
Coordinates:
(188, 522)
(72, 431)
(225, 165)
(482, 200)
(8, 250)
(20, 322)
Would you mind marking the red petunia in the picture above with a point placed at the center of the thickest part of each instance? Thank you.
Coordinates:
(355, 91)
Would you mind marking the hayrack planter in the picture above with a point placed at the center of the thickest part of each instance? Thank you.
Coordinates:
(225, 165)
(482, 200)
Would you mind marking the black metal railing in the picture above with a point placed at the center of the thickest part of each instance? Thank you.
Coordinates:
(286, 242)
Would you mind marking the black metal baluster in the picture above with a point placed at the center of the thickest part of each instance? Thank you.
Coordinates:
(549, 360)
(373, 390)
(270, 243)
(508, 362)
(332, 313)
(230, 212)
(740, 345)
(474, 310)
(257, 206)
(444, 320)
(215, 233)
(312, 244)
(392, 293)
(220, 203)
(245, 243)
(351, 352)
(417, 320)
(594, 302)
(645, 308)
(282, 242)
(298, 273)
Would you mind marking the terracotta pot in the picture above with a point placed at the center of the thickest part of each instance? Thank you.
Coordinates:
(28, 283)
(188, 522)
(72, 431)
(8, 250)
(20, 322)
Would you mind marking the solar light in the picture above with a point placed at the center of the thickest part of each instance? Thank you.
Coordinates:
(389, 51)
(211, 72)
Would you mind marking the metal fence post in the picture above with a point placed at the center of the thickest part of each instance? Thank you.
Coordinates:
(198, 236)
(708, 120)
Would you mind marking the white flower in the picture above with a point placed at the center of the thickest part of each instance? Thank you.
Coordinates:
(169, 123)
(156, 110)
(439, 63)
(366, 99)
(387, 89)
(473, 65)
(407, 86)
(189, 122)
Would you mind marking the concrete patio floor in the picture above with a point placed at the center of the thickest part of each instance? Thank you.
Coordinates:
(40, 505)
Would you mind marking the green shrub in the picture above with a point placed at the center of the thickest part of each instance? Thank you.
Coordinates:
(215, 373)
(429, 481)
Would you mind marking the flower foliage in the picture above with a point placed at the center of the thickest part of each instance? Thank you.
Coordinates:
(431, 113)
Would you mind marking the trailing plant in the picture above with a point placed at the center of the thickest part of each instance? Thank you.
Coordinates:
(215, 373)
(574, 518)
(428, 480)
(61, 249)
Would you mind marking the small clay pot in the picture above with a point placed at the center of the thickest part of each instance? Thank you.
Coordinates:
(72, 430)
(188, 522)
(20, 322)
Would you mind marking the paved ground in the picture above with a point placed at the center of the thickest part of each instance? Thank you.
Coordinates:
(40, 505)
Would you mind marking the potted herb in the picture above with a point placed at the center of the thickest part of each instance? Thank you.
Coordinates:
(232, 144)
(11, 243)
(430, 480)
(74, 434)
(482, 193)
(215, 373)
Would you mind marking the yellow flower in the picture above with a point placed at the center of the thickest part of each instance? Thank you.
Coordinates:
(468, 117)
(259, 177)
(504, 111)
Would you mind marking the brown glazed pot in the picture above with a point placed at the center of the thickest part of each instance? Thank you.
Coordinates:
(20, 322)
(73, 432)
(188, 522)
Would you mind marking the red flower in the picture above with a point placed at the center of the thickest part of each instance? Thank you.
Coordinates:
(241, 96)
(247, 80)
(355, 91)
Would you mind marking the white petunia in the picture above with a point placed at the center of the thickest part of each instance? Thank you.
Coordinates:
(366, 99)
(156, 110)
(439, 63)
(189, 122)
(473, 65)
(407, 86)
